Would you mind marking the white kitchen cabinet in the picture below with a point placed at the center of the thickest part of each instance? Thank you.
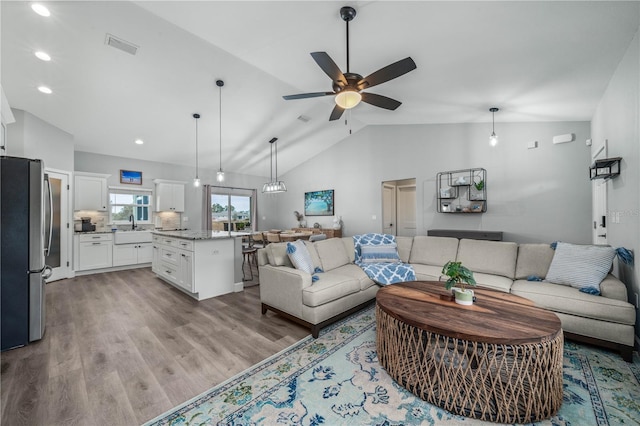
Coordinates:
(186, 271)
(90, 191)
(94, 251)
(132, 254)
(169, 197)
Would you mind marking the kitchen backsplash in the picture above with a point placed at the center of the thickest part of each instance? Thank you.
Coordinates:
(164, 220)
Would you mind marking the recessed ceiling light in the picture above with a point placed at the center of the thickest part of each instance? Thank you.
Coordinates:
(139, 141)
(45, 89)
(42, 55)
(40, 9)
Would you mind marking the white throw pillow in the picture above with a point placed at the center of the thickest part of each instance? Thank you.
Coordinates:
(299, 256)
(580, 266)
(379, 253)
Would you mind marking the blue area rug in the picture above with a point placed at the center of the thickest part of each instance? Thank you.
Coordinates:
(336, 380)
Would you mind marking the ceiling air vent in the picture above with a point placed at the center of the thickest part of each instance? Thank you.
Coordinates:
(304, 118)
(120, 44)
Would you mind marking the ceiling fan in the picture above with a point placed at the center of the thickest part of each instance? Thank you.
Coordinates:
(348, 87)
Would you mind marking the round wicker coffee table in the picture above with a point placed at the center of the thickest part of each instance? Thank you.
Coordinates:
(498, 360)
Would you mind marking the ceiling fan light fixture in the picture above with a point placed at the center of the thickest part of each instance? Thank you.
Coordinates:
(348, 99)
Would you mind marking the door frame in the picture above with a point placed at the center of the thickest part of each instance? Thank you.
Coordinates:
(66, 233)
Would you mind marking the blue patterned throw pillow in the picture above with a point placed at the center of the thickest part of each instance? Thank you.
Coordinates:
(580, 266)
(300, 257)
(379, 253)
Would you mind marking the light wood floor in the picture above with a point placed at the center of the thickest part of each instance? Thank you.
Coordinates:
(123, 347)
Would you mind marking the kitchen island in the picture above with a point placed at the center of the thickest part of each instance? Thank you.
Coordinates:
(202, 264)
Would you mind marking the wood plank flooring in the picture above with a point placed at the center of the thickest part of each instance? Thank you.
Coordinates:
(122, 347)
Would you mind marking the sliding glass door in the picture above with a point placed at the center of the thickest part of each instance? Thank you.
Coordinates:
(231, 211)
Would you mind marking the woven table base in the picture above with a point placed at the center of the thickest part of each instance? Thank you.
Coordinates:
(492, 382)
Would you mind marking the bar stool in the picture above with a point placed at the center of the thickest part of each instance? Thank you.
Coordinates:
(249, 254)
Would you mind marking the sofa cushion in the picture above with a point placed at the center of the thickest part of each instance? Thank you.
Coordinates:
(533, 260)
(277, 254)
(299, 256)
(580, 266)
(569, 300)
(350, 247)
(314, 254)
(381, 253)
(489, 257)
(355, 272)
(329, 287)
(433, 250)
(427, 272)
(332, 253)
(493, 282)
(613, 288)
(404, 248)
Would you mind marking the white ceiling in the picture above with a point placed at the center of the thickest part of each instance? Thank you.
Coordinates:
(536, 61)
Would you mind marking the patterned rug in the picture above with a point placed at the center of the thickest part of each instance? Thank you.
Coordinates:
(336, 380)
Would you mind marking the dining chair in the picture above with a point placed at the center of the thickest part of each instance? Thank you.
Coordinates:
(273, 238)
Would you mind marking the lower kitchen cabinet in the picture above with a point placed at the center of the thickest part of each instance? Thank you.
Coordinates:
(132, 254)
(94, 251)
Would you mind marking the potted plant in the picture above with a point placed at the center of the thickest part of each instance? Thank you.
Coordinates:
(460, 276)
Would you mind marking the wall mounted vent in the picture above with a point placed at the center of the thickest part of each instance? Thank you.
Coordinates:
(121, 44)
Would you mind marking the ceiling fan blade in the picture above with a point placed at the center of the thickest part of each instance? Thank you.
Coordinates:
(336, 113)
(380, 101)
(330, 68)
(307, 95)
(387, 73)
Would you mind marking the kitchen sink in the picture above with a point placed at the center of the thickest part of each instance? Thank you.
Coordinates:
(131, 237)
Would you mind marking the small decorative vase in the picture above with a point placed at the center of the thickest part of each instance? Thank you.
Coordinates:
(303, 224)
(337, 222)
(463, 297)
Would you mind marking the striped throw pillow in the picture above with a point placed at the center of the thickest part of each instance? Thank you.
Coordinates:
(580, 266)
(299, 256)
(379, 253)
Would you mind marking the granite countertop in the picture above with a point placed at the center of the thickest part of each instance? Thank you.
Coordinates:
(201, 234)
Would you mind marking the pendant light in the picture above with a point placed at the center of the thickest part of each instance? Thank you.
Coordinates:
(493, 139)
(274, 185)
(220, 174)
(196, 181)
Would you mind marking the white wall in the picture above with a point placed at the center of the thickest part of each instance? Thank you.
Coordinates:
(31, 137)
(617, 119)
(97, 163)
(534, 195)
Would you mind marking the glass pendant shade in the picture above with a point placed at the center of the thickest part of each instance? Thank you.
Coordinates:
(220, 176)
(348, 99)
(493, 139)
(196, 182)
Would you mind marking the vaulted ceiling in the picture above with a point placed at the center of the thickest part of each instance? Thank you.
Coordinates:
(536, 61)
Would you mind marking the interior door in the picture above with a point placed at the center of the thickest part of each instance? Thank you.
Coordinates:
(406, 210)
(58, 256)
(388, 209)
(599, 199)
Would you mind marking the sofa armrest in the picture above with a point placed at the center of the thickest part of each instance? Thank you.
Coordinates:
(281, 287)
(612, 288)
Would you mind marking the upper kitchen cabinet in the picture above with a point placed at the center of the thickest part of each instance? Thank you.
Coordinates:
(169, 196)
(90, 191)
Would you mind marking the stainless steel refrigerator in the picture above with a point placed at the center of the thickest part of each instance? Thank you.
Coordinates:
(25, 238)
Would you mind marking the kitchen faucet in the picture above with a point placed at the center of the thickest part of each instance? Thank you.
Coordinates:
(133, 222)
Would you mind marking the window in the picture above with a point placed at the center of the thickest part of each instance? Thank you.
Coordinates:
(124, 203)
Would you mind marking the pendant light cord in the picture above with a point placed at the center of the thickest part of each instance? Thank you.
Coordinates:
(196, 145)
(220, 108)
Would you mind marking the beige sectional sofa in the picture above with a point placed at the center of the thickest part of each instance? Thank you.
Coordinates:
(606, 320)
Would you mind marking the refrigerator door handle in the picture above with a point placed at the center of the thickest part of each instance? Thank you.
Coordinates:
(47, 272)
(48, 249)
